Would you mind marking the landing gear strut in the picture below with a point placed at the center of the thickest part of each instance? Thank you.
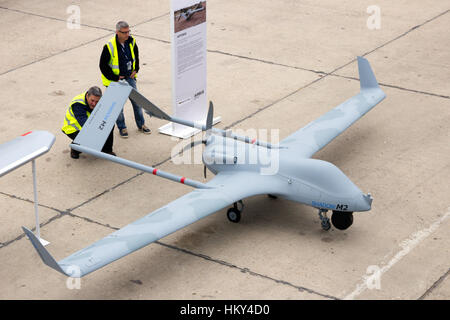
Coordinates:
(234, 214)
(324, 220)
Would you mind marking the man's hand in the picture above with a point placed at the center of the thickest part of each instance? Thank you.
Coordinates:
(121, 77)
(133, 74)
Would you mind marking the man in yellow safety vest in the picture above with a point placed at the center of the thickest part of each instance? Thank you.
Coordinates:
(120, 61)
(79, 110)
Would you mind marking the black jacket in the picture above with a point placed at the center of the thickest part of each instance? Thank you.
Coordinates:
(80, 111)
(105, 57)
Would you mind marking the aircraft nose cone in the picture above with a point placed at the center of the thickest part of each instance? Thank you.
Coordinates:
(364, 202)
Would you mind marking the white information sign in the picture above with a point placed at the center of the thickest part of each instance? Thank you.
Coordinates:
(189, 96)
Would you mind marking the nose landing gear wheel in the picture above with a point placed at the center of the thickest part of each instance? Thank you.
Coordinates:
(342, 220)
(234, 214)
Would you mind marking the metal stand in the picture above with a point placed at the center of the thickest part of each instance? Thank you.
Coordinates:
(36, 213)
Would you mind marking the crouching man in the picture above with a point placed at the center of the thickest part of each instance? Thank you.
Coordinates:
(79, 111)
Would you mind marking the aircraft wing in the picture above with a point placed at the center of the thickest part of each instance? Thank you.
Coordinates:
(23, 149)
(318, 133)
(227, 188)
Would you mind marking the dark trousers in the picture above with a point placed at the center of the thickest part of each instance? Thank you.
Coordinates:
(107, 147)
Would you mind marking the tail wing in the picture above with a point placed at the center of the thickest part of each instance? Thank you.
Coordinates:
(100, 123)
(318, 133)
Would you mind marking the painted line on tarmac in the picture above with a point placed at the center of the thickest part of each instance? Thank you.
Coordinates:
(407, 246)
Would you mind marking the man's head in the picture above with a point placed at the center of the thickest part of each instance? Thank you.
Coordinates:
(122, 31)
(93, 95)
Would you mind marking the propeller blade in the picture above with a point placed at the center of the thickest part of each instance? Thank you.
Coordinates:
(191, 145)
(209, 120)
(204, 171)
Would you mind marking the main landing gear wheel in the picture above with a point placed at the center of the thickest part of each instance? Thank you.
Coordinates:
(234, 214)
(342, 220)
(324, 220)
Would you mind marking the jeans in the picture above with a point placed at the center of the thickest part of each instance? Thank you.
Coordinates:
(138, 115)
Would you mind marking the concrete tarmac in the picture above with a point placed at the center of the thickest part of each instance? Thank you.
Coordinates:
(273, 65)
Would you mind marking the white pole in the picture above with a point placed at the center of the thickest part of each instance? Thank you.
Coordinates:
(36, 212)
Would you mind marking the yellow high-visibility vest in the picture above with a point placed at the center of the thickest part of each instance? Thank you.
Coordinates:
(114, 61)
(71, 124)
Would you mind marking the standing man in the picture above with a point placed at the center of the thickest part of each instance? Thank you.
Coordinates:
(79, 111)
(120, 60)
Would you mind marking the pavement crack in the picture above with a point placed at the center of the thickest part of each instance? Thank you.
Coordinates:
(81, 24)
(115, 186)
(105, 192)
(221, 262)
(247, 270)
(71, 48)
(408, 31)
(52, 18)
(92, 221)
(53, 55)
(266, 61)
(396, 87)
(435, 285)
(29, 201)
(41, 225)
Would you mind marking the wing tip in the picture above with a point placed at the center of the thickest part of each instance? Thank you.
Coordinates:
(366, 76)
(45, 256)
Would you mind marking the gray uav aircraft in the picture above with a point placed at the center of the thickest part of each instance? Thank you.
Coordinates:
(298, 178)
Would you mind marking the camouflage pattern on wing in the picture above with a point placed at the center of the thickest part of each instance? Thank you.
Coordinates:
(318, 133)
(228, 188)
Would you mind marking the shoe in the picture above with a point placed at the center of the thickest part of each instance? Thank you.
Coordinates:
(145, 130)
(74, 154)
(111, 153)
(124, 133)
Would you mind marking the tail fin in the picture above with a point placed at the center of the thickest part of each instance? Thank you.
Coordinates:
(43, 253)
(367, 79)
